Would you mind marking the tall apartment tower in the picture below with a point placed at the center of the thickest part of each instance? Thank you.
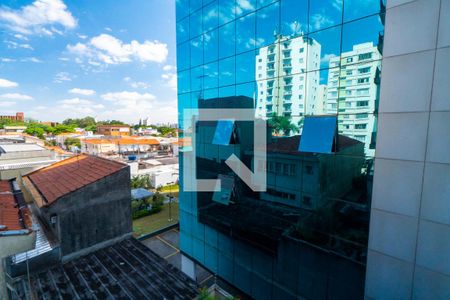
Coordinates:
(283, 84)
(353, 90)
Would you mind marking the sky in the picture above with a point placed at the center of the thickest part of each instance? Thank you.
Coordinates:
(104, 58)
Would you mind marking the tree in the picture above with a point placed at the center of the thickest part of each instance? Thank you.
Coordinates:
(36, 130)
(61, 128)
(72, 142)
(141, 181)
(282, 124)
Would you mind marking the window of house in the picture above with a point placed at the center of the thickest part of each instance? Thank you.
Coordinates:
(278, 168)
(309, 170)
(306, 200)
(364, 70)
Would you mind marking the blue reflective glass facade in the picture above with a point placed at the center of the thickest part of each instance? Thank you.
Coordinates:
(306, 236)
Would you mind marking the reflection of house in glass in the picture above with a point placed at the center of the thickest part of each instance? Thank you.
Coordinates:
(306, 179)
(244, 236)
(283, 84)
(353, 91)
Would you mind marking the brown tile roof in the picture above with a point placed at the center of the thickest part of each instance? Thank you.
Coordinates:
(71, 174)
(289, 145)
(11, 215)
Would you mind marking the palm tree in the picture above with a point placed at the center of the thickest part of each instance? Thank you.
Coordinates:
(282, 125)
(141, 181)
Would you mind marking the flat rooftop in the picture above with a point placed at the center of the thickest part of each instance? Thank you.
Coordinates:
(125, 270)
(19, 147)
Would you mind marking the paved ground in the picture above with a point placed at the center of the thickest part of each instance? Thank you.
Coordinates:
(166, 245)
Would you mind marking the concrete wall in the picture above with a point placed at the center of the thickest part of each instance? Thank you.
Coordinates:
(409, 240)
(93, 214)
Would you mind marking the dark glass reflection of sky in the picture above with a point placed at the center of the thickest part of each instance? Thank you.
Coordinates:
(233, 46)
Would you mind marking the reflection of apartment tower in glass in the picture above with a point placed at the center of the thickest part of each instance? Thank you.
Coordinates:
(320, 107)
(284, 87)
(354, 92)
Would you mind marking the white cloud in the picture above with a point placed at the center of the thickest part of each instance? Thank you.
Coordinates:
(31, 59)
(169, 68)
(6, 59)
(140, 84)
(14, 45)
(7, 103)
(15, 96)
(76, 107)
(108, 49)
(75, 101)
(125, 98)
(170, 80)
(84, 92)
(319, 21)
(20, 37)
(337, 4)
(40, 17)
(136, 84)
(62, 77)
(5, 83)
(326, 58)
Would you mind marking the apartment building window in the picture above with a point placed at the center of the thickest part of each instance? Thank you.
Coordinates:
(360, 138)
(300, 97)
(302, 78)
(363, 80)
(365, 56)
(362, 103)
(349, 82)
(362, 92)
(362, 116)
(360, 126)
(348, 93)
(259, 67)
(301, 50)
(364, 70)
(260, 60)
(349, 72)
(349, 59)
(300, 60)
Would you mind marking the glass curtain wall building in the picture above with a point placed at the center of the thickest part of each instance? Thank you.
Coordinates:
(311, 70)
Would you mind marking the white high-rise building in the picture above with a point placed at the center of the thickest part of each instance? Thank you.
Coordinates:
(353, 92)
(282, 79)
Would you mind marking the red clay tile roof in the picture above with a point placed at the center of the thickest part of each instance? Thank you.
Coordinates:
(66, 176)
(11, 216)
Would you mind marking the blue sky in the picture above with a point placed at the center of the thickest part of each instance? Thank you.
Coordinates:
(105, 58)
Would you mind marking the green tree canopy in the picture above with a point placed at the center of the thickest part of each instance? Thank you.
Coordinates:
(282, 124)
